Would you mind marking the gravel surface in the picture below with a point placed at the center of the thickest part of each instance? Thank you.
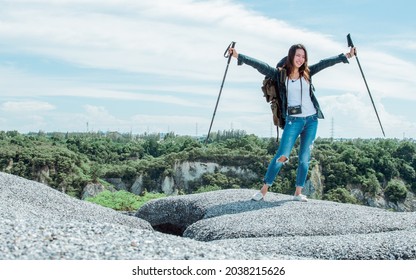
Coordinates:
(40, 223)
(292, 218)
(394, 245)
(25, 199)
(280, 226)
(39, 239)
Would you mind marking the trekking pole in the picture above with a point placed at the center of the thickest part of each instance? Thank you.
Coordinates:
(351, 44)
(226, 55)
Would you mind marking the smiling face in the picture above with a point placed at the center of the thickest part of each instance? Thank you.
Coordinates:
(297, 61)
(299, 58)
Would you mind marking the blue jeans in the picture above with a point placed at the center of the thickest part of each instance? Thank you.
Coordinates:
(305, 127)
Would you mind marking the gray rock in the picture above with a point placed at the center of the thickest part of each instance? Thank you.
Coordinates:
(25, 199)
(118, 184)
(93, 189)
(283, 217)
(279, 226)
(393, 245)
(40, 223)
(137, 187)
(36, 239)
(185, 210)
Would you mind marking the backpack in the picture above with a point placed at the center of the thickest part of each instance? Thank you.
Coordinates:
(270, 90)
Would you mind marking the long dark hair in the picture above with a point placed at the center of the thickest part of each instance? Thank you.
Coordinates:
(304, 69)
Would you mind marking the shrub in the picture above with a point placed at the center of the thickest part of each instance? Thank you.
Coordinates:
(340, 195)
(370, 185)
(122, 200)
(395, 191)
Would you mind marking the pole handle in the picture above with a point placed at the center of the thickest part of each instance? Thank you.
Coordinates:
(350, 43)
(226, 53)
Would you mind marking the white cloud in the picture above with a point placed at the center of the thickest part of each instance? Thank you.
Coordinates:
(25, 106)
(353, 114)
(174, 48)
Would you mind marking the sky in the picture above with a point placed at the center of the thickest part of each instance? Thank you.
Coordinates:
(137, 66)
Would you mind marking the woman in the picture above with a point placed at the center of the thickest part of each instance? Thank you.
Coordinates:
(300, 109)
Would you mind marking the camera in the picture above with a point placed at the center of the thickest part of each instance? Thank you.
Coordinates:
(294, 110)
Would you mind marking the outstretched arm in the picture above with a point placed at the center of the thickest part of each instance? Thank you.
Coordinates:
(262, 67)
(328, 62)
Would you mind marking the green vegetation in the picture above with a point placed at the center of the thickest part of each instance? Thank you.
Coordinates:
(68, 161)
(396, 191)
(340, 195)
(123, 200)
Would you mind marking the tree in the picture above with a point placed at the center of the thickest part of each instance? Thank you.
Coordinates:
(407, 172)
(396, 191)
(370, 184)
(406, 151)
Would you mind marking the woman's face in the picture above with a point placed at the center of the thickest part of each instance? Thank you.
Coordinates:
(299, 58)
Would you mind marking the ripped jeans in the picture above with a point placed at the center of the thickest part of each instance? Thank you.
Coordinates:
(306, 127)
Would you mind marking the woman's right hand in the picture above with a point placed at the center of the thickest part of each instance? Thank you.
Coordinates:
(233, 52)
(353, 51)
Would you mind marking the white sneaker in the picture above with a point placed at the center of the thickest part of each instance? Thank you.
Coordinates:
(257, 196)
(300, 197)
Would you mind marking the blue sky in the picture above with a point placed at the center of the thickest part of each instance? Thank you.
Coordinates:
(156, 66)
